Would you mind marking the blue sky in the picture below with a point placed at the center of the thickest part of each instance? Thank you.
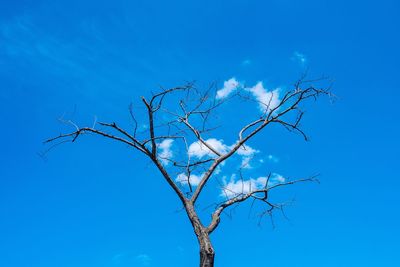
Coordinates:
(88, 203)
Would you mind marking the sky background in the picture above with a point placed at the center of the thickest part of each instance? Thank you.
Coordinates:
(96, 203)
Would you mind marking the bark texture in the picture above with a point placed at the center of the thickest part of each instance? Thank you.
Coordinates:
(207, 253)
(206, 249)
(206, 259)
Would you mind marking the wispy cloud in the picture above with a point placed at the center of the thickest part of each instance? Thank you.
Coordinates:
(273, 158)
(229, 86)
(246, 150)
(247, 154)
(267, 100)
(165, 150)
(246, 163)
(194, 179)
(23, 40)
(300, 58)
(82, 60)
(236, 187)
(199, 150)
(246, 62)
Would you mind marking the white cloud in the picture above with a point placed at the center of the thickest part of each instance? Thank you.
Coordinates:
(266, 99)
(199, 150)
(277, 178)
(234, 188)
(247, 154)
(246, 163)
(165, 150)
(218, 169)
(194, 179)
(246, 150)
(229, 86)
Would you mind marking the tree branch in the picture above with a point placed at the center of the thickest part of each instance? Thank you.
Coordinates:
(273, 115)
(253, 194)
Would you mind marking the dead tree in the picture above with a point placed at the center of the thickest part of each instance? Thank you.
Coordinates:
(186, 121)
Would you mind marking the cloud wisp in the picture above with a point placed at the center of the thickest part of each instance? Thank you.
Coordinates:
(193, 179)
(165, 151)
(237, 187)
(267, 99)
(199, 150)
(300, 58)
(229, 87)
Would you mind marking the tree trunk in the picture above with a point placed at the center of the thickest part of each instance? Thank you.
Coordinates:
(206, 258)
(206, 249)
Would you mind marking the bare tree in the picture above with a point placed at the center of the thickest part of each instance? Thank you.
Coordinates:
(184, 116)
